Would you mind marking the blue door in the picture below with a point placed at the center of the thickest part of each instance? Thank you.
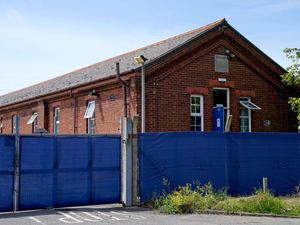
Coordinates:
(219, 119)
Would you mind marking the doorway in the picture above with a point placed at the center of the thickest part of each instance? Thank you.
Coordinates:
(221, 99)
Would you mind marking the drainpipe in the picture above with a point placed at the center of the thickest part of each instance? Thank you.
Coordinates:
(281, 112)
(123, 83)
(74, 111)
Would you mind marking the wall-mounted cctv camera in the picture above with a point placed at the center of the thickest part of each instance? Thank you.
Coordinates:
(229, 54)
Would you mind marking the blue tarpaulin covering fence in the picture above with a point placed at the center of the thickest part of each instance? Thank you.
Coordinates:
(238, 161)
(6, 172)
(57, 171)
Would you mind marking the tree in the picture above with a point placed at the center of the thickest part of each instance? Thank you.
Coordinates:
(292, 76)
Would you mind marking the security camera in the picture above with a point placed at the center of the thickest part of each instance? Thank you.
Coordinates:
(229, 54)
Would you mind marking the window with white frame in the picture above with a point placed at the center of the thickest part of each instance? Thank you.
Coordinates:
(14, 124)
(56, 120)
(90, 116)
(33, 121)
(245, 116)
(245, 113)
(196, 109)
(221, 63)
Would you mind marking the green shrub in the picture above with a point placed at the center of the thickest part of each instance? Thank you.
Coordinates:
(258, 203)
(186, 199)
(197, 198)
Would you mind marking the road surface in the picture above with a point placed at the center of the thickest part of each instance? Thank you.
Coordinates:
(116, 215)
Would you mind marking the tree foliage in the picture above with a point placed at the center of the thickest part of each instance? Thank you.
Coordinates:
(292, 76)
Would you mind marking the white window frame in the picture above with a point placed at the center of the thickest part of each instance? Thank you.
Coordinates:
(254, 107)
(14, 124)
(223, 57)
(228, 101)
(201, 114)
(32, 118)
(33, 121)
(90, 109)
(249, 114)
(34, 125)
(56, 120)
(89, 121)
(90, 116)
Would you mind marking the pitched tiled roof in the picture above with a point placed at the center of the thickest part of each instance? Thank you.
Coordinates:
(104, 69)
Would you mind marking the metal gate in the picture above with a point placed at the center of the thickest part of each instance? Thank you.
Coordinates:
(58, 171)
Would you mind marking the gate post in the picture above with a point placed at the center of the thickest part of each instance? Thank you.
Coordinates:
(135, 166)
(17, 165)
(126, 162)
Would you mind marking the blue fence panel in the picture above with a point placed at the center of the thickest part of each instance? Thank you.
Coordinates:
(6, 172)
(106, 177)
(257, 155)
(180, 157)
(238, 161)
(74, 155)
(37, 160)
(58, 171)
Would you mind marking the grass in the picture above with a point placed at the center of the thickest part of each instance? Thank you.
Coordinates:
(197, 198)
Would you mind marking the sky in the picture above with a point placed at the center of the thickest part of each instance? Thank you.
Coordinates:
(42, 39)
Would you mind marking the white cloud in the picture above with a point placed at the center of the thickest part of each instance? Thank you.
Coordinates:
(14, 16)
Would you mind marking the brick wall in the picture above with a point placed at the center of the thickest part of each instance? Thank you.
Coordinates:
(168, 95)
(24, 113)
(108, 110)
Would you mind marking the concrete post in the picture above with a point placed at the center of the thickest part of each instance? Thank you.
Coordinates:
(17, 166)
(126, 162)
(265, 185)
(135, 174)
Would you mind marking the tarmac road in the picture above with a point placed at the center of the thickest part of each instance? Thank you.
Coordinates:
(116, 215)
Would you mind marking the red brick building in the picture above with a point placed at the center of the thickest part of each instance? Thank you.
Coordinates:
(186, 76)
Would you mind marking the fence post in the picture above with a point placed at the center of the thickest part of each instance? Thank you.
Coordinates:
(17, 165)
(265, 185)
(135, 167)
(127, 162)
